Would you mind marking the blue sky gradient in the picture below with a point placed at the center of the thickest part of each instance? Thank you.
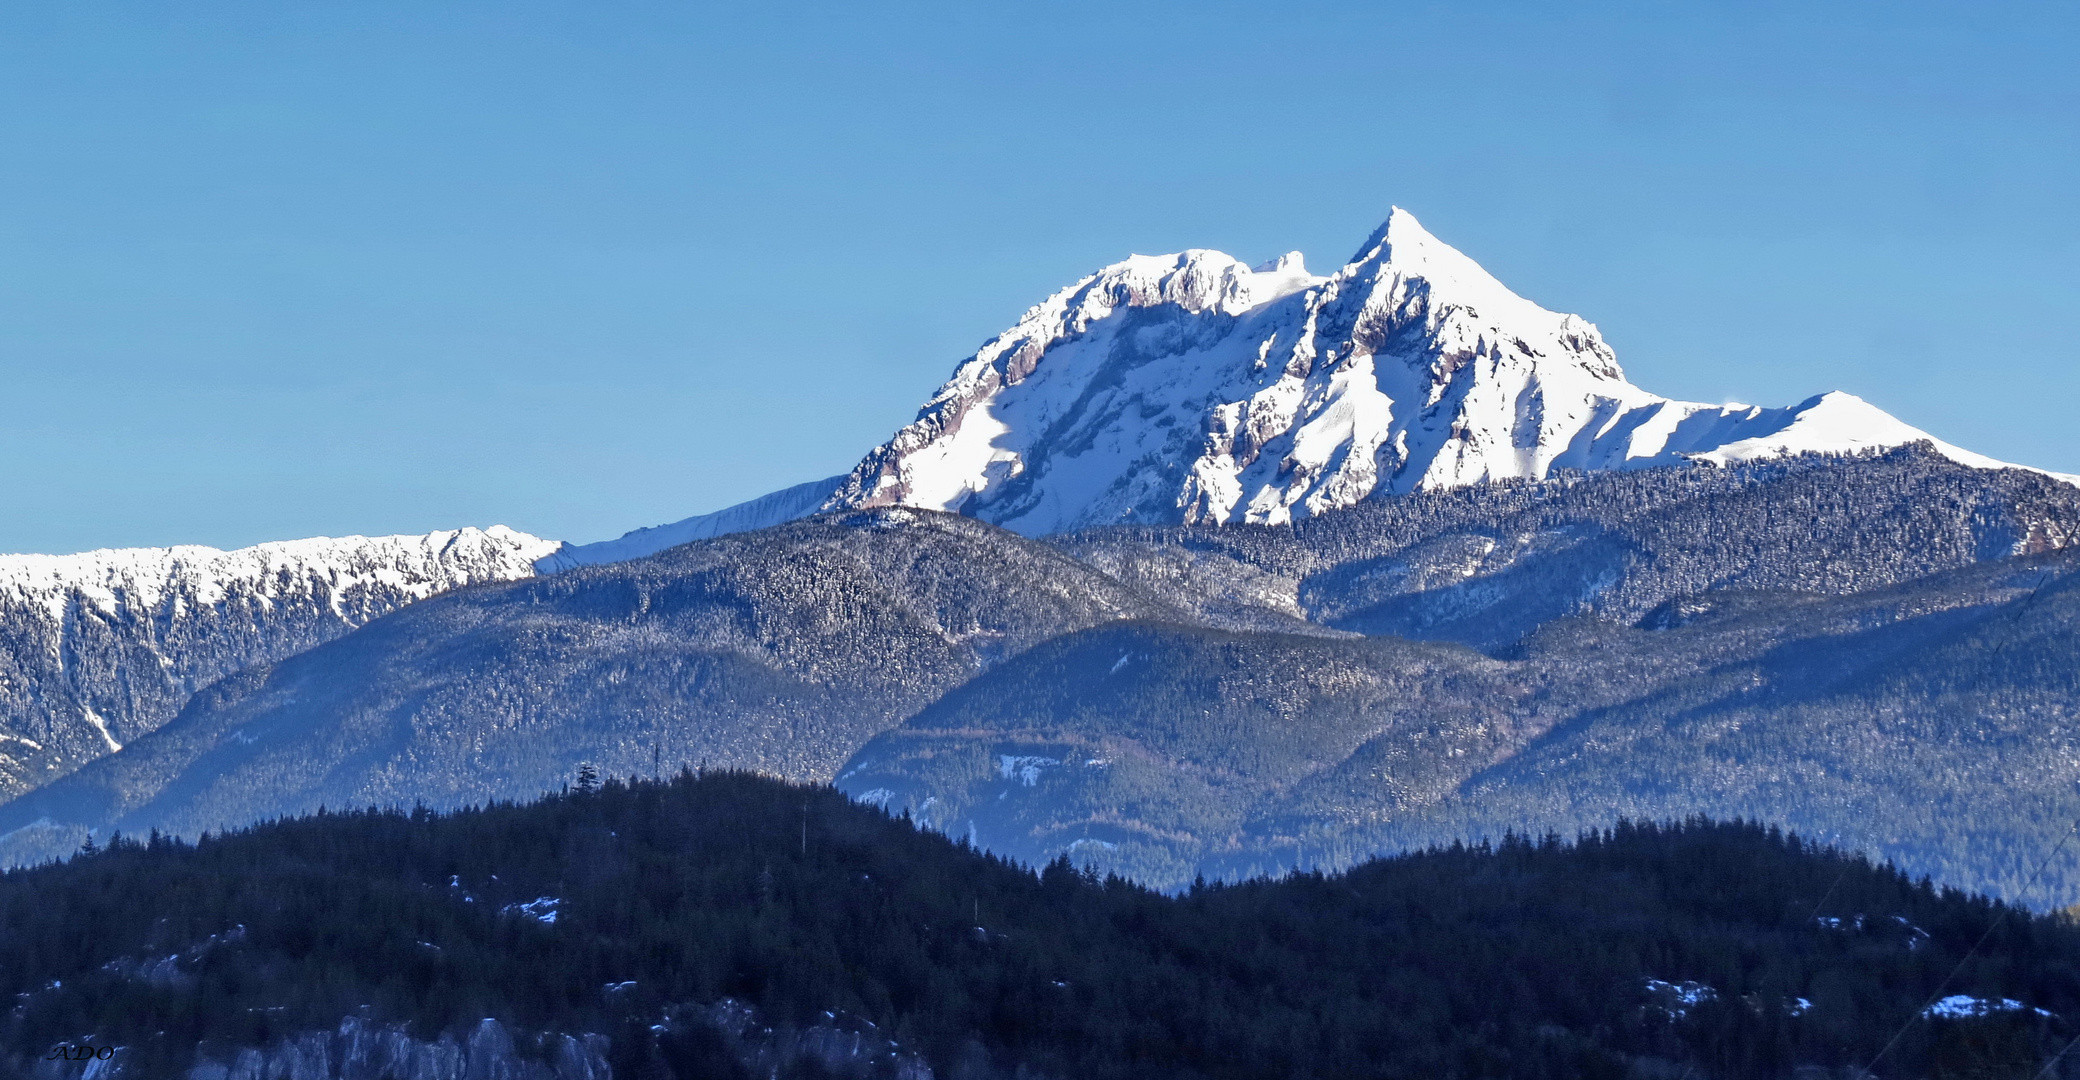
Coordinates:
(273, 270)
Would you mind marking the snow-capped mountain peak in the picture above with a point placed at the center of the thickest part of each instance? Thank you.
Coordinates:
(1192, 387)
(1411, 280)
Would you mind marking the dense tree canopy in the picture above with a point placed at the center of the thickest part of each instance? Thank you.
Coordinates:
(1717, 949)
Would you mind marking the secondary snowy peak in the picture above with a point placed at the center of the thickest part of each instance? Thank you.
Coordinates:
(101, 647)
(166, 582)
(1194, 388)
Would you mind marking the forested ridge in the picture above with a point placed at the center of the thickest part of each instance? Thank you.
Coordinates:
(1921, 723)
(1701, 949)
(1198, 700)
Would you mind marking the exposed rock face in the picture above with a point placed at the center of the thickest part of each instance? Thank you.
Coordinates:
(100, 648)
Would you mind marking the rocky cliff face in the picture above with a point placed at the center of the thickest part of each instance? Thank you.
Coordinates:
(100, 648)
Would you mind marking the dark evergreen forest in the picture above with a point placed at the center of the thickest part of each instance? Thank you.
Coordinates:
(683, 907)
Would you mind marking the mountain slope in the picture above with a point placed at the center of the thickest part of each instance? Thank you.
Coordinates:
(1144, 748)
(781, 651)
(98, 649)
(1191, 388)
(789, 649)
(1933, 723)
(1486, 565)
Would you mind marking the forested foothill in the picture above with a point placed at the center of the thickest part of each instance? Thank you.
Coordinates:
(725, 925)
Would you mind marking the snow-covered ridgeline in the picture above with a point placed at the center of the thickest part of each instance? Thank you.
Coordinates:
(101, 647)
(1194, 388)
(339, 570)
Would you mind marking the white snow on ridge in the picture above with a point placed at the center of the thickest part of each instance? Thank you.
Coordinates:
(171, 580)
(1833, 423)
(1192, 388)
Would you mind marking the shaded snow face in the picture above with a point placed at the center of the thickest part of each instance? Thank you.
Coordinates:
(1192, 388)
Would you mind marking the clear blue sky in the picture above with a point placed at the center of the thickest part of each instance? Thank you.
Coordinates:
(274, 270)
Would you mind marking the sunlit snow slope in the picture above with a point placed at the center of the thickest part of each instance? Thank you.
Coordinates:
(101, 647)
(784, 505)
(1192, 388)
